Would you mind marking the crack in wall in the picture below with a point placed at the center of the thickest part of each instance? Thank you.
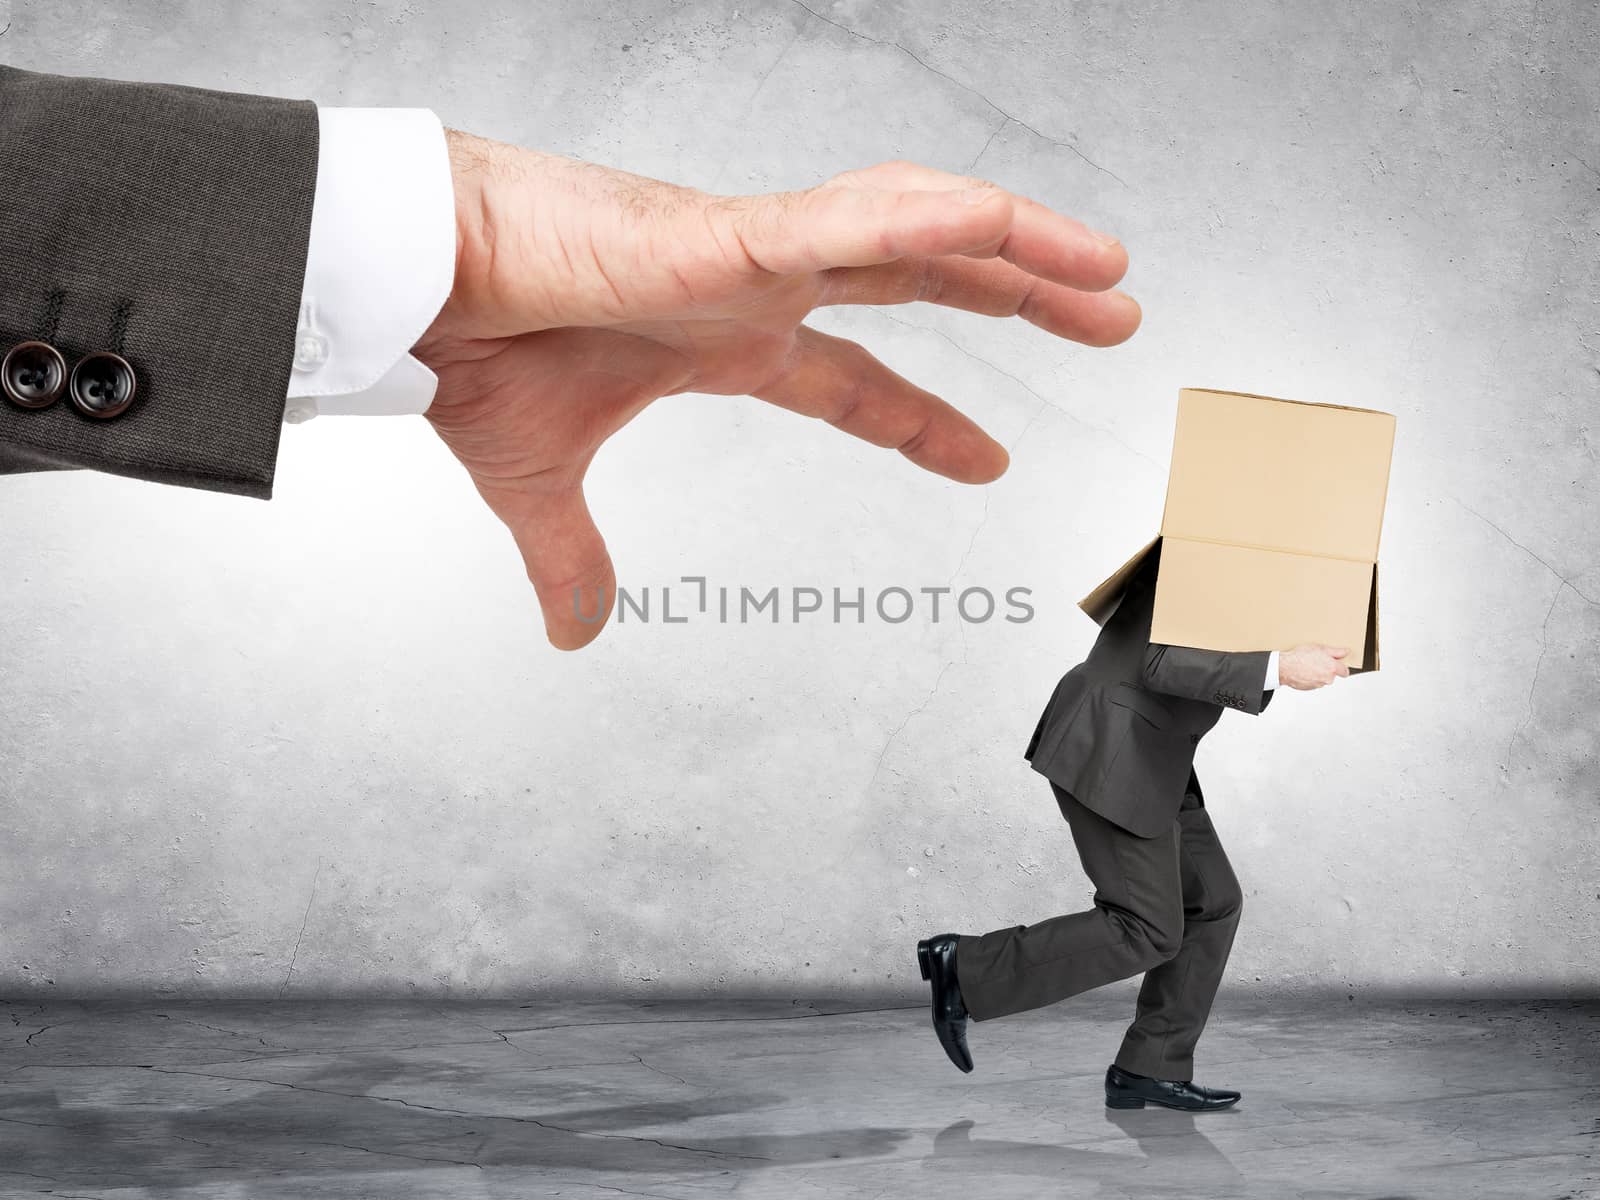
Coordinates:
(1587, 599)
(301, 937)
(1023, 384)
(1533, 686)
(739, 122)
(966, 87)
(971, 166)
(877, 767)
(972, 542)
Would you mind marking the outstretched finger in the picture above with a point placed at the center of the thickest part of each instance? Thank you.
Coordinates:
(788, 233)
(841, 383)
(994, 288)
(1041, 241)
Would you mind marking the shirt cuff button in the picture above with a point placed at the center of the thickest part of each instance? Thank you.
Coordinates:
(310, 352)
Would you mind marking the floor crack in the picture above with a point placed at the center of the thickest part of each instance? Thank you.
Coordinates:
(848, 1012)
(49, 1178)
(459, 1162)
(454, 1112)
(640, 1060)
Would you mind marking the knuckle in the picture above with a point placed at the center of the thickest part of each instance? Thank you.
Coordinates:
(845, 404)
(913, 445)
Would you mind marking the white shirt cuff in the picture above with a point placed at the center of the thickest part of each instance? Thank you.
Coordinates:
(1272, 672)
(379, 267)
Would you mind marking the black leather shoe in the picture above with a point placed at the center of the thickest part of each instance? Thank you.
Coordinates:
(937, 958)
(1124, 1089)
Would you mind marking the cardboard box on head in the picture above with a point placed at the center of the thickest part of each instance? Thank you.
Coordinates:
(1270, 535)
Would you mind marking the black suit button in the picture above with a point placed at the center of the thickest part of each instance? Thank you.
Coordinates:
(103, 386)
(33, 375)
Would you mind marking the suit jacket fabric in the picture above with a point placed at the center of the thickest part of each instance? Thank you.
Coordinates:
(174, 221)
(1120, 731)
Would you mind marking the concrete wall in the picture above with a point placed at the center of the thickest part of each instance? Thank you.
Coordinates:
(318, 746)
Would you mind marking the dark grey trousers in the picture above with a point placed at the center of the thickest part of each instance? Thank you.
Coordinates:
(1166, 906)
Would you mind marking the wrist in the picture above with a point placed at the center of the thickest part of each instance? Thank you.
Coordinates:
(474, 162)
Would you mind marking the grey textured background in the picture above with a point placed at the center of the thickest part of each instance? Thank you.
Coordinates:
(319, 746)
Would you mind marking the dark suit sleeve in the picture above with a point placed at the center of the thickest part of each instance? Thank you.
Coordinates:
(168, 225)
(1231, 680)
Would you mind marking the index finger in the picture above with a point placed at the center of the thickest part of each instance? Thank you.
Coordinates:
(1040, 240)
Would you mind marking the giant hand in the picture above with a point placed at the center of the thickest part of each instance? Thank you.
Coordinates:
(583, 293)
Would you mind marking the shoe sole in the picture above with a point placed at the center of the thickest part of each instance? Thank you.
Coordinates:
(1135, 1102)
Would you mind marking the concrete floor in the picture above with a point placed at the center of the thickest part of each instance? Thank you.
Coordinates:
(785, 1099)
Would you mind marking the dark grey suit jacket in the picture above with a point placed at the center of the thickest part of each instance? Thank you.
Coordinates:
(1120, 731)
(172, 222)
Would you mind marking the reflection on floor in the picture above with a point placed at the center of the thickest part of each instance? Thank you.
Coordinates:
(785, 1099)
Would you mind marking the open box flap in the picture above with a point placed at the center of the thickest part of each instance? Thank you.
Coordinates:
(1369, 656)
(1102, 602)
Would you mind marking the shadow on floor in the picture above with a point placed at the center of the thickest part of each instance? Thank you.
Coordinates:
(286, 1126)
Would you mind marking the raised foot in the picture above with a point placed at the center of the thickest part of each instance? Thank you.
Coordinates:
(936, 959)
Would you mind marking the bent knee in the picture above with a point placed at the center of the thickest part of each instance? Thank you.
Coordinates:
(1156, 932)
(1165, 939)
(1226, 904)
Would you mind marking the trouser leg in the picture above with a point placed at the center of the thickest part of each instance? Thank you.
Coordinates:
(1136, 923)
(1175, 998)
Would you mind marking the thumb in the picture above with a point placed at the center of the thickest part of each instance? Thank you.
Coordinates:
(567, 564)
(1336, 651)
